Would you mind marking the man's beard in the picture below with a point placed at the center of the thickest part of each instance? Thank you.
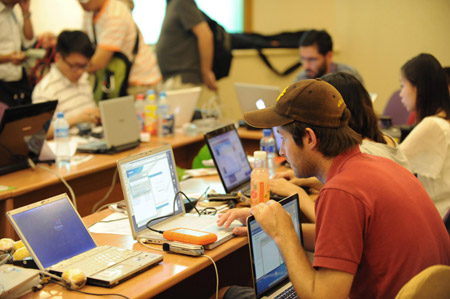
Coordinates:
(320, 72)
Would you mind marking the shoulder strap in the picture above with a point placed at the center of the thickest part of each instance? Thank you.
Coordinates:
(285, 72)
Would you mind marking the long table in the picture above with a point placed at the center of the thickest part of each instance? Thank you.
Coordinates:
(178, 276)
(92, 179)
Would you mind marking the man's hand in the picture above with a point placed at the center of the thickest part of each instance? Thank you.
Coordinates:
(235, 214)
(25, 6)
(283, 187)
(17, 58)
(288, 175)
(209, 79)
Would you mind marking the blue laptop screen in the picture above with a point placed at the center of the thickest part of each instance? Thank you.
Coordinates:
(54, 231)
(269, 268)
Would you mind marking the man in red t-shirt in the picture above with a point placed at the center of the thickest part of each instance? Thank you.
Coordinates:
(376, 226)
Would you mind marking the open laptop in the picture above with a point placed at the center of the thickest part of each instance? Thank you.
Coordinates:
(182, 104)
(253, 96)
(57, 240)
(23, 130)
(231, 160)
(120, 127)
(150, 189)
(269, 271)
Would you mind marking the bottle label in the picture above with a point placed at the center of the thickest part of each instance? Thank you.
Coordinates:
(268, 148)
(61, 132)
(259, 192)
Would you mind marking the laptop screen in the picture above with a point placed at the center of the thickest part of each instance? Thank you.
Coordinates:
(268, 265)
(229, 156)
(53, 230)
(277, 137)
(149, 181)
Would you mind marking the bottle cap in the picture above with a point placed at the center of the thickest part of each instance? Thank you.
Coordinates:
(60, 115)
(260, 155)
(267, 132)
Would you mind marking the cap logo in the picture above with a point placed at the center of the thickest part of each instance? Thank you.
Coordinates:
(282, 93)
(340, 103)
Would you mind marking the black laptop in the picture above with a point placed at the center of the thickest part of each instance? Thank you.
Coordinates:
(23, 130)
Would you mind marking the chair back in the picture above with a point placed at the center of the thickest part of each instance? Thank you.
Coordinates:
(395, 110)
(431, 283)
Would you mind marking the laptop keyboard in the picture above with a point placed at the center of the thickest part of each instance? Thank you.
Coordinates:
(288, 293)
(96, 259)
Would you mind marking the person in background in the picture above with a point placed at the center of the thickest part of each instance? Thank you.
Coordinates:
(363, 121)
(447, 73)
(316, 55)
(115, 31)
(185, 48)
(364, 243)
(424, 89)
(14, 87)
(68, 81)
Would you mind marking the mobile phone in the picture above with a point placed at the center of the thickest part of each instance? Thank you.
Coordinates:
(192, 236)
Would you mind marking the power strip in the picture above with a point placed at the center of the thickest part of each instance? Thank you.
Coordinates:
(17, 281)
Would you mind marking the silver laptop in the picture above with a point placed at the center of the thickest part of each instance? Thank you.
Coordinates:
(231, 160)
(182, 104)
(150, 189)
(269, 271)
(120, 127)
(253, 96)
(58, 240)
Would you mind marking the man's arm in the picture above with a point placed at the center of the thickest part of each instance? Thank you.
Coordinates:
(308, 282)
(27, 26)
(100, 60)
(206, 51)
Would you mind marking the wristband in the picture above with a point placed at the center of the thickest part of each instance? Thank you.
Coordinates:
(27, 15)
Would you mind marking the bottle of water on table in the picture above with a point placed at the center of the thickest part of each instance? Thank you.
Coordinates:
(61, 135)
(267, 144)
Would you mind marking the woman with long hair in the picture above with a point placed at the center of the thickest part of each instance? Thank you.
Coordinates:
(424, 90)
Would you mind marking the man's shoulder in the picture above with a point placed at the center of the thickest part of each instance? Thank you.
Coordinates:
(342, 67)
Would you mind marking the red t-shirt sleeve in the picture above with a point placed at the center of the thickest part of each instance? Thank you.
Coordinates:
(340, 230)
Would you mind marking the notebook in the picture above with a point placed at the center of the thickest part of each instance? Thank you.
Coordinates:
(57, 240)
(269, 271)
(253, 96)
(23, 130)
(182, 104)
(231, 160)
(149, 183)
(120, 127)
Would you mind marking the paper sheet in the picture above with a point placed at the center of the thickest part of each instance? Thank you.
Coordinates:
(119, 227)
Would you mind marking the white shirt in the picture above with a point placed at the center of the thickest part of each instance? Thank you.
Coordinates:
(383, 150)
(11, 39)
(427, 148)
(72, 98)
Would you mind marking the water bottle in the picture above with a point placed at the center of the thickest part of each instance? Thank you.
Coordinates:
(259, 180)
(150, 116)
(267, 144)
(164, 128)
(139, 105)
(61, 135)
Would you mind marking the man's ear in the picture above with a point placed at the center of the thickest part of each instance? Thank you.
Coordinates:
(310, 139)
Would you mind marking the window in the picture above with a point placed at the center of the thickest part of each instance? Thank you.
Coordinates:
(149, 15)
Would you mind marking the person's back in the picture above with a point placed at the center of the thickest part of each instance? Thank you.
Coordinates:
(395, 233)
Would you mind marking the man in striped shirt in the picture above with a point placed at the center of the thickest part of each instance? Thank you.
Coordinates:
(110, 24)
(67, 80)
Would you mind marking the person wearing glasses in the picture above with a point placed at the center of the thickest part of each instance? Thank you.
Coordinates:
(316, 55)
(67, 81)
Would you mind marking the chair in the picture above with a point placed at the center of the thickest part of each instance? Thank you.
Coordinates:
(431, 283)
(395, 110)
(447, 221)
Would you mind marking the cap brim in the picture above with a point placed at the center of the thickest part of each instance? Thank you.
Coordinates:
(266, 118)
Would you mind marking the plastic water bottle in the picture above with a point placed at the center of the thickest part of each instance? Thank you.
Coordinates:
(163, 115)
(61, 135)
(150, 114)
(259, 180)
(267, 144)
(139, 105)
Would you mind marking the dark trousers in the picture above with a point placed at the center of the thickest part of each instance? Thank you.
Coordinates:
(16, 93)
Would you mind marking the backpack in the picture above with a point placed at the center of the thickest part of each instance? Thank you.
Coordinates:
(222, 48)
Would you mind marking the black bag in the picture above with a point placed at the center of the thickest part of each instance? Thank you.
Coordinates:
(222, 49)
(258, 42)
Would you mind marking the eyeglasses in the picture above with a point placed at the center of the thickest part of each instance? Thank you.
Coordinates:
(75, 66)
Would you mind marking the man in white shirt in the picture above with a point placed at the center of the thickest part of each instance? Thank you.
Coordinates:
(68, 81)
(14, 87)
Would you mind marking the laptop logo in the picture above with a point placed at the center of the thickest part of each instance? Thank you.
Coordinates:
(260, 104)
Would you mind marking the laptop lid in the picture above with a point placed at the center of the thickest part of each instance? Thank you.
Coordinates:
(268, 267)
(229, 157)
(23, 130)
(52, 230)
(253, 96)
(182, 104)
(120, 122)
(149, 184)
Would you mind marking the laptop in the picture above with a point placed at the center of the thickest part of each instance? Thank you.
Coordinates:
(253, 96)
(120, 127)
(57, 240)
(269, 271)
(182, 104)
(150, 189)
(23, 130)
(231, 160)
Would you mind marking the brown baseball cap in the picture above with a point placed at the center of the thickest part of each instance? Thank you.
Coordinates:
(311, 101)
